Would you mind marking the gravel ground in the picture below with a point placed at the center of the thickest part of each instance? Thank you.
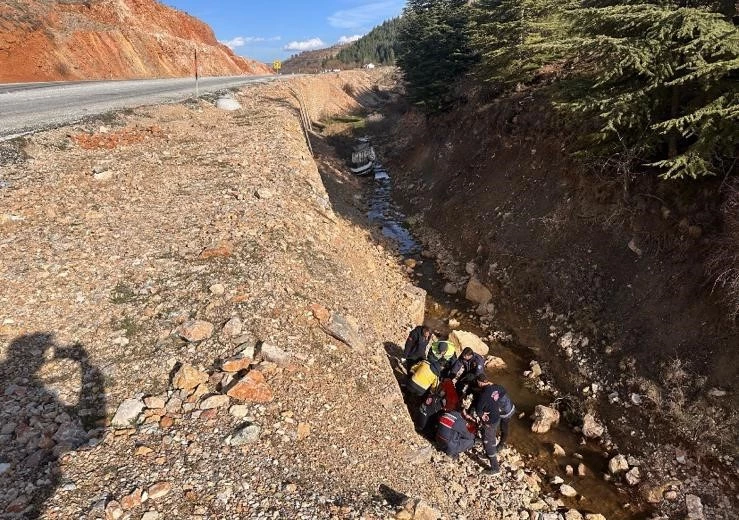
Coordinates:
(183, 234)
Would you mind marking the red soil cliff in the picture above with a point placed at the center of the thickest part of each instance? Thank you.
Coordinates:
(44, 40)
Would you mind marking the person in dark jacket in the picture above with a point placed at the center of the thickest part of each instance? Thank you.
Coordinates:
(487, 415)
(416, 346)
(506, 408)
(452, 434)
(466, 369)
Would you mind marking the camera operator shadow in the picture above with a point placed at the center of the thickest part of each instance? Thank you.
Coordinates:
(36, 427)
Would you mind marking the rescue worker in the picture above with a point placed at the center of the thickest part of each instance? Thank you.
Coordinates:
(424, 376)
(465, 370)
(487, 416)
(416, 346)
(444, 353)
(424, 380)
(506, 408)
(452, 435)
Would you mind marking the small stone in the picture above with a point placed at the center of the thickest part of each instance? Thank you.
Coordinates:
(453, 323)
(223, 250)
(4, 468)
(495, 363)
(633, 477)
(594, 516)
(618, 464)
(239, 411)
(188, 378)
(544, 419)
(410, 263)
(127, 414)
(247, 434)
(166, 422)
(303, 431)
(558, 451)
(252, 388)
(237, 363)
(142, 451)
(573, 514)
(150, 515)
(264, 193)
(217, 289)
(132, 500)
(154, 402)
(567, 491)
(695, 507)
(228, 104)
(345, 330)
(233, 327)
(423, 511)
(450, 288)
(591, 428)
(214, 401)
(291, 488)
(569, 470)
(275, 354)
(159, 490)
(670, 495)
(582, 470)
(113, 511)
(195, 330)
(535, 370)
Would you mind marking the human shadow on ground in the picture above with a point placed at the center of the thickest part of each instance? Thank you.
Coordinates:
(37, 427)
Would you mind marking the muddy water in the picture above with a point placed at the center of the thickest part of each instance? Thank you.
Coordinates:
(598, 495)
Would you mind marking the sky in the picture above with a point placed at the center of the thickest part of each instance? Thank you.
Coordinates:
(277, 29)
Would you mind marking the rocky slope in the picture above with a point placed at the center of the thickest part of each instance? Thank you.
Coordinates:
(189, 330)
(43, 40)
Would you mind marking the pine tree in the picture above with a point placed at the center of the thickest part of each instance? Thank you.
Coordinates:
(377, 46)
(434, 50)
(515, 38)
(661, 80)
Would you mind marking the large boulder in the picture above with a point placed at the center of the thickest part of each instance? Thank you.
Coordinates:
(544, 419)
(476, 292)
(416, 303)
(462, 339)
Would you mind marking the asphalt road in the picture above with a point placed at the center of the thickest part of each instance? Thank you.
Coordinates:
(26, 107)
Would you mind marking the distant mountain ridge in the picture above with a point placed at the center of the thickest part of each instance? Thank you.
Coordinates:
(310, 62)
(46, 40)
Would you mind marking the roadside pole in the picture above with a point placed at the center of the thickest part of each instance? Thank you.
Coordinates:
(197, 79)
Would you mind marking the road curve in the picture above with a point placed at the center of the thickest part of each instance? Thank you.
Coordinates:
(29, 107)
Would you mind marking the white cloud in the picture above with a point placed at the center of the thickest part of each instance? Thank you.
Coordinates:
(305, 45)
(349, 39)
(240, 41)
(366, 15)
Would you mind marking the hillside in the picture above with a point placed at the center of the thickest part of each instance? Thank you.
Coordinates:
(311, 62)
(46, 40)
(377, 46)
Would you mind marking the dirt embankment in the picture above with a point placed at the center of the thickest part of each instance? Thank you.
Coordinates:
(174, 281)
(45, 40)
(607, 287)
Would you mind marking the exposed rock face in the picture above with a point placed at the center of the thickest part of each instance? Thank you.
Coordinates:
(109, 39)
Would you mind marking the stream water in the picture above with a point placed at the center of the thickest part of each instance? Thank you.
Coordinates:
(597, 494)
